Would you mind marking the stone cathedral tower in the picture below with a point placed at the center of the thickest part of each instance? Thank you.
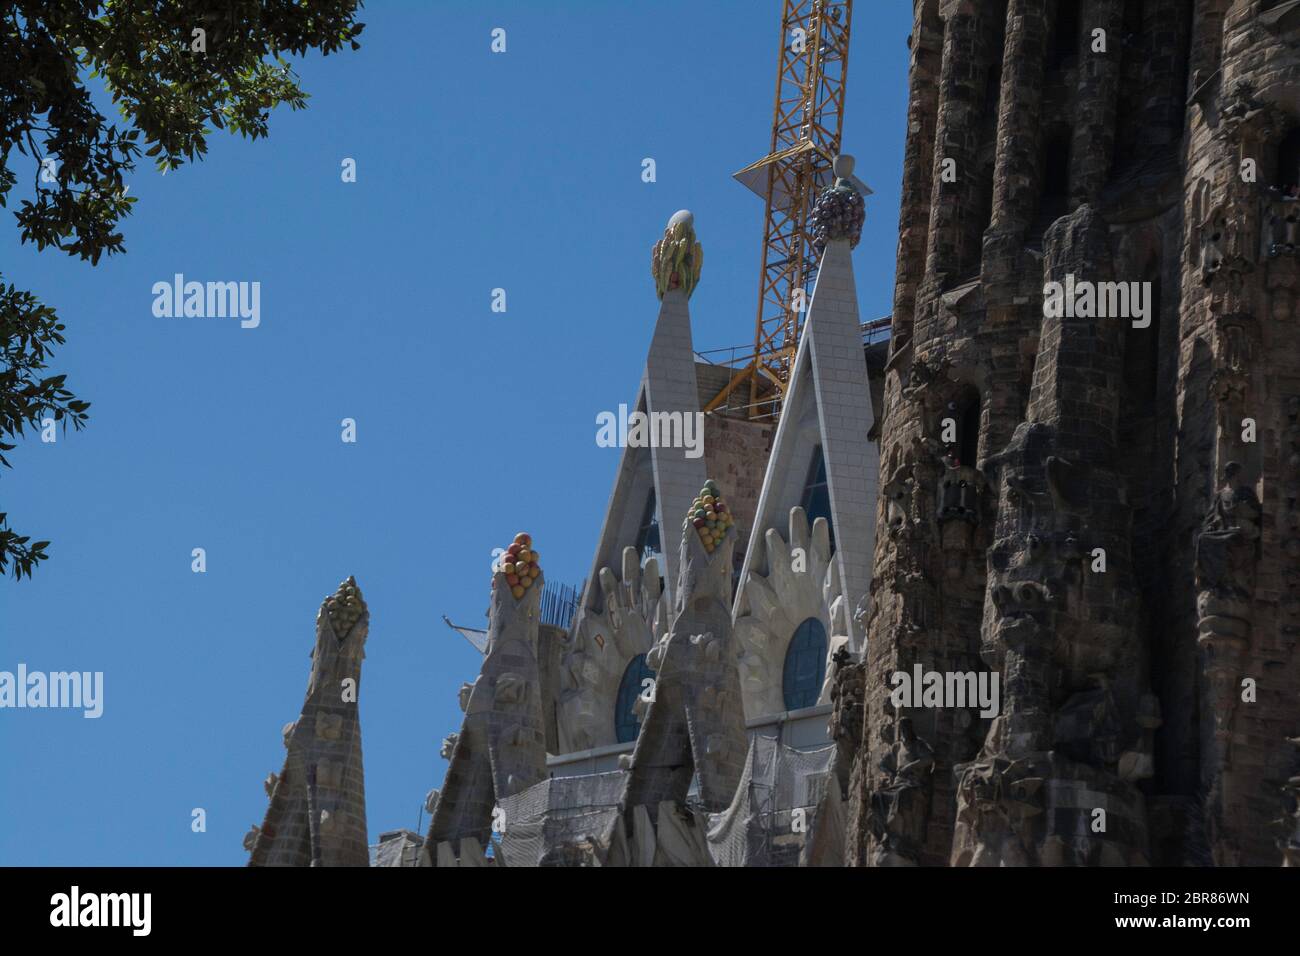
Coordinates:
(317, 810)
(1090, 460)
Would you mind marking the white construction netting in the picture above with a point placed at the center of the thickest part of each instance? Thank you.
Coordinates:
(570, 816)
(761, 827)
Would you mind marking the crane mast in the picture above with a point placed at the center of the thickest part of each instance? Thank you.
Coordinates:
(807, 121)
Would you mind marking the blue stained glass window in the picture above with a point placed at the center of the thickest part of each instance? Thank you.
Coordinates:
(816, 501)
(805, 665)
(626, 723)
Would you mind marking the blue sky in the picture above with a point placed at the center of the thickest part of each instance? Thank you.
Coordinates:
(474, 171)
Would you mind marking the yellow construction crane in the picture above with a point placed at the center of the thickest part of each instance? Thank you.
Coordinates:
(806, 126)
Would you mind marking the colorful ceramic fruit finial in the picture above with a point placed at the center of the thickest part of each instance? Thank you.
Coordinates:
(709, 516)
(520, 564)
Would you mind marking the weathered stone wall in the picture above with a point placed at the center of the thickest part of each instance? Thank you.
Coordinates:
(1139, 443)
(1238, 362)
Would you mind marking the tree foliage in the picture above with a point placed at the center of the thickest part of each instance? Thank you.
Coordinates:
(175, 69)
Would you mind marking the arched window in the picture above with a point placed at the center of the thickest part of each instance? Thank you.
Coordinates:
(805, 665)
(626, 723)
(816, 500)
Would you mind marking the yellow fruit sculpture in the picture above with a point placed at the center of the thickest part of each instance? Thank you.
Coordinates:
(709, 516)
(677, 258)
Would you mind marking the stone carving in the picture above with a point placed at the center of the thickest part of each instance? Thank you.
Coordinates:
(900, 805)
(848, 694)
(1076, 718)
(1105, 560)
(344, 609)
(1281, 223)
(1214, 245)
(959, 492)
(1234, 357)
(677, 258)
(1226, 554)
(1226, 545)
(604, 642)
(800, 584)
(329, 726)
(695, 725)
(924, 370)
(448, 746)
(501, 748)
(324, 738)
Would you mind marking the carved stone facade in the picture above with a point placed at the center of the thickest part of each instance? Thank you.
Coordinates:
(501, 748)
(1101, 505)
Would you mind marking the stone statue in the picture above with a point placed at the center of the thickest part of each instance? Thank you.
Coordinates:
(1225, 547)
(900, 808)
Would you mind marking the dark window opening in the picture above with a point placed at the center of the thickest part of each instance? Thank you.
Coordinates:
(647, 536)
(1134, 15)
(965, 412)
(1065, 34)
(1055, 200)
(816, 499)
(992, 93)
(626, 723)
(1141, 355)
(1287, 175)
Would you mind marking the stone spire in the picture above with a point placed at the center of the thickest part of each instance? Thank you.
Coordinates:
(695, 725)
(317, 814)
(501, 748)
(828, 391)
(670, 473)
